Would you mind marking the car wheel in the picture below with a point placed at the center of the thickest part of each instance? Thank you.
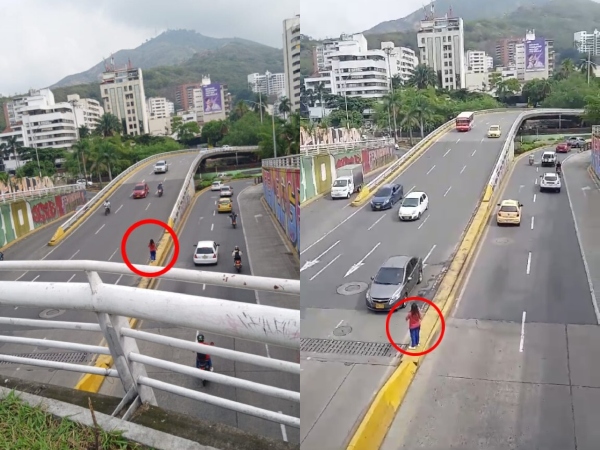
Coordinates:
(519, 224)
(403, 304)
(419, 216)
(558, 190)
(420, 280)
(348, 196)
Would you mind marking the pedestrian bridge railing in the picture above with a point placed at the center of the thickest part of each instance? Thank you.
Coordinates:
(7, 197)
(114, 304)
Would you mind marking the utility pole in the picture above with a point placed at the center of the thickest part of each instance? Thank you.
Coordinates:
(388, 51)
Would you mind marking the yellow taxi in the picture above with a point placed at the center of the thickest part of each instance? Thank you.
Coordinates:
(224, 205)
(494, 131)
(509, 213)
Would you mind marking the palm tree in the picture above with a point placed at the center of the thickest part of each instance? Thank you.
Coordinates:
(81, 150)
(422, 77)
(567, 67)
(284, 107)
(12, 146)
(240, 109)
(105, 157)
(109, 125)
(419, 107)
(587, 67)
(84, 132)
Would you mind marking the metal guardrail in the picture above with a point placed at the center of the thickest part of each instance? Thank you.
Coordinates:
(38, 193)
(291, 162)
(323, 149)
(113, 304)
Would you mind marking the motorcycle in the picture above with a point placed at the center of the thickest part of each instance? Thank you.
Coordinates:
(206, 365)
(238, 265)
(233, 223)
(106, 210)
(531, 160)
(160, 192)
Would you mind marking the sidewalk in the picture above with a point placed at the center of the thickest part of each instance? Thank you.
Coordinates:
(584, 197)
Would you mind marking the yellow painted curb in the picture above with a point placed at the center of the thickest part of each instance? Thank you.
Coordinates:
(593, 176)
(32, 232)
(277, 226)
(93, 383)
(61, 234)
(379, 417)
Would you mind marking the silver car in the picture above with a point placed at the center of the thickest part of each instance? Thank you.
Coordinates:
(550, 182)
(395, 280)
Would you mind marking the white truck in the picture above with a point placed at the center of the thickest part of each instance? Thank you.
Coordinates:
(349, 180)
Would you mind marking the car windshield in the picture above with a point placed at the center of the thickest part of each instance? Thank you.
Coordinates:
(509, 209)
(389, 275)
(548, 155)
(216, 183)
(494, 128)
(139, 187)
(160, 163)
(384, 192)
(224, 201)
(340, 183)
(204, 251)
(410, 202)
(550, 177)
(225, 188)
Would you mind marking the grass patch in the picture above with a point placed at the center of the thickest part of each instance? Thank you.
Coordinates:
(23, 427)
(528, 146)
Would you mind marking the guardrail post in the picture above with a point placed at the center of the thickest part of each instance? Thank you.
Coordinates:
(120, 346)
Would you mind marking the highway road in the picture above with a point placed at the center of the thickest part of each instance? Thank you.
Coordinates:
(519, 359)
(255, 235)
(453, 172)
(98, 238)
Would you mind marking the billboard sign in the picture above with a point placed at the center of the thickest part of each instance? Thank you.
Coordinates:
(211, 97)
(535, 55)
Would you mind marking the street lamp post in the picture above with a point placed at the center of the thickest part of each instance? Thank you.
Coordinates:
(272, 124)
(388, 52)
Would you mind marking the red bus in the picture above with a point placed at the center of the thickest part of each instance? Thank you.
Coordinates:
(464, 121)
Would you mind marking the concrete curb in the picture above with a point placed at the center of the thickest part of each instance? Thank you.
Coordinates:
(593, 176)
(133, 432)
(32, 232)
(93, 383)
(379, 417)
(288, 244)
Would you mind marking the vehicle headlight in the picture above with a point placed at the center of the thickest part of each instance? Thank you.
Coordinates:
(394, 298)
(368, 296)
(387, 200)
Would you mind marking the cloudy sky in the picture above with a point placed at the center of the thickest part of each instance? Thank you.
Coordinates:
(46, 40)
(327, 18)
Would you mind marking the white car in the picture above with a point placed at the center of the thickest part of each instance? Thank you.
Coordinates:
(226, 191)
(84, 182)
(206, 252)
(161, 167)
(216, 186)
(548, 159)
(413, 206)
(550, 181)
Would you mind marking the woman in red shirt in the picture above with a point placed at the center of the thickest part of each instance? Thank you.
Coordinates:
(414, 325)
(152, 247)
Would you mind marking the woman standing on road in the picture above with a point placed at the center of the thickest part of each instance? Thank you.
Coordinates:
(414, 325)
(152, 247)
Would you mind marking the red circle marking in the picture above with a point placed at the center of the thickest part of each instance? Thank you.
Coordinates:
(417, 299)
(124, 248)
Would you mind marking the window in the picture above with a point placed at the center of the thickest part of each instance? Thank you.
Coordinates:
(410, 268)
(389, 275)
(509, 209)
(204, 251)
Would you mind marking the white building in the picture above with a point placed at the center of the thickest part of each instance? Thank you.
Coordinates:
(159, 108)
(478, 61)
(587, 42)
(441, 47)
(123, 95)
(402, 60)
(534, 58)
(160, 126)
(291, 61)
(310, 84)
(324, 51)
(267, 83)
(360, 74)
(13, 109)
(87, 111)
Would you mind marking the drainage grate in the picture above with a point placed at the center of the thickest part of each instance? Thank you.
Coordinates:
(66, 357)
(341, 347)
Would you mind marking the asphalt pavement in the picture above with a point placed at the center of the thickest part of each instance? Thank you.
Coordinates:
(341, 260)
(264, 254)
(97, 238)
(520, 355)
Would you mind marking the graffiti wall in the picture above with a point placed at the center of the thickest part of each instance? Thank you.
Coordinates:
(323, 136)
(596, 149)
(25, 184)
(282, 192)
(318, 172)
(23, 216)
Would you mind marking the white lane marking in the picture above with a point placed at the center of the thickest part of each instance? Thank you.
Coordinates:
(537, 169)
(114, 253)
(424, 221)
(311, 263)
(328, 264)
(118, 209)
(410, 190)
(463, 169)
(200, 220)
(448, 151)
(522, 332)
(283, 430)
(536, 181)
(474, 151)
(482, 139)
(361, 263)
(521, 187)
(430, 170)
(532, 220)
(376, 222)
(448, 191)
(458, 140)
(214, 213)
(332, 230)
(534, 197)
(428, 255)
(204, 287)
(257, 216)
(212, 226)
(215, 202)
(529, 263)
(584, 189)
(148, 206)
(100, 229)
(74, 254)
(35, 278)
(118, 279)
(73, 276)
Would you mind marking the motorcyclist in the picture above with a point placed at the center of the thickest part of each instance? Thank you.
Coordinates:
(160, 187)
(531, 158)
(106, 204)
(202, 359)
(558, 167)
(237, 254)
(233, 216)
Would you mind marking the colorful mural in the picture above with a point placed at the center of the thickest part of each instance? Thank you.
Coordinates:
(326, 136)
(596, 149)
(25, 184)
(23, 216)
(377, 158)
(307, 175)
(281, 187)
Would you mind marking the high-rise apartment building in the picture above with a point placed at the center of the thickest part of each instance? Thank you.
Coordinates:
(534, 58)
(402, 61)
(291, 61)
(506, 51)
(160, 108)
(441, 47)
(123, 95)
(267, 83)
(87, 111)
(587, 42)
(184, 96)
(478, 61)
(211, 101)
(322, 53)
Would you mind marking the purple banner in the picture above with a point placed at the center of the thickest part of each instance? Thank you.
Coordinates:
(211, 96)
(535, 55)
